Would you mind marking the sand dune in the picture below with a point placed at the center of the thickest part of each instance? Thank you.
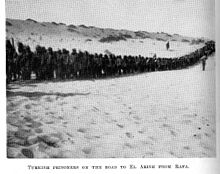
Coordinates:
(119, 42)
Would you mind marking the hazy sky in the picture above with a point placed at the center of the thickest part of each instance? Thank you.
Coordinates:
(187, 17)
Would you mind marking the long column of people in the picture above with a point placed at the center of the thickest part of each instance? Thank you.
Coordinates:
(48, 64)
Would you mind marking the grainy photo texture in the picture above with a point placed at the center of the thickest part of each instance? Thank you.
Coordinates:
(110, 78)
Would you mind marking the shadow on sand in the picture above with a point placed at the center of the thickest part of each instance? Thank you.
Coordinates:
(41, 94)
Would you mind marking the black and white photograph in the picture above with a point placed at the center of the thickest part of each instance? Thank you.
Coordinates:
(110, 79)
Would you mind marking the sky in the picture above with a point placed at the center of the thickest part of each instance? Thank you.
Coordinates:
(186, 17)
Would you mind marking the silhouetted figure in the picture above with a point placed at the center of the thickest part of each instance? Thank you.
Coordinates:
(204, 63)
(168, 45)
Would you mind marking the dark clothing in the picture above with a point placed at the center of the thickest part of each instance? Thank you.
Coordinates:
(168, 45)
(47, 64)
(203, 64)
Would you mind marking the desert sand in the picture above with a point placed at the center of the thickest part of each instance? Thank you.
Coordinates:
(159, 114)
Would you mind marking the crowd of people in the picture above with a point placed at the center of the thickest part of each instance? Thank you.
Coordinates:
(48, 64)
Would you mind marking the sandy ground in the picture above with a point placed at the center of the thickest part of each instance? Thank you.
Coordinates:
(134, 47)
(159, 114)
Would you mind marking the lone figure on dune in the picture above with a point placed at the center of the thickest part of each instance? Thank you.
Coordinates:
(168, 45)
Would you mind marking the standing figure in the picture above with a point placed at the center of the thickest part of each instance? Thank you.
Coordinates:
(118, 65)
(72, 63)
(59, 64)
(10, 51)
(21, 61)
(36, 62)
(168, 45)
(43, 64)
(65, 64)
(27, 63)
(49, 63)
(204, 62)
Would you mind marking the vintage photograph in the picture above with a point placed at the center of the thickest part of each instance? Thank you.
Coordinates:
(110, 78)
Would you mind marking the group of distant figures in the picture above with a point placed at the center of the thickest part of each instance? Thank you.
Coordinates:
(48, 64)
